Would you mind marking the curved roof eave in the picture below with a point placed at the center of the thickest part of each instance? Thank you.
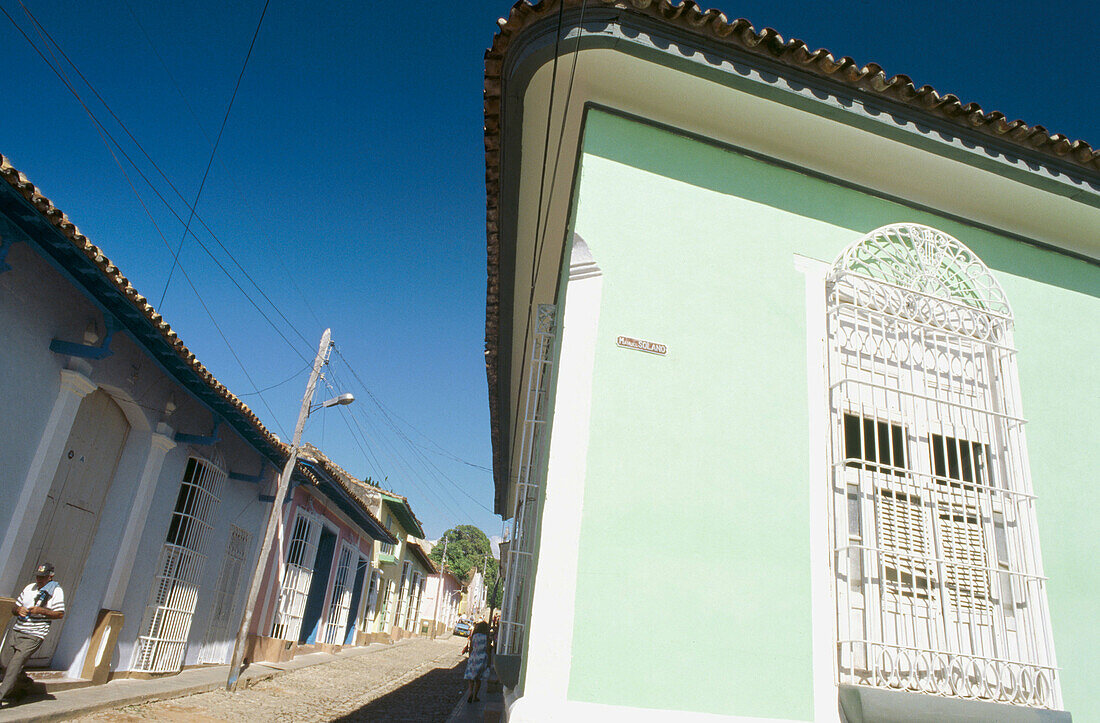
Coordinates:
(714, 29)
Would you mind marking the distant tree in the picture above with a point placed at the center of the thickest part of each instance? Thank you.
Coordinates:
(469, 548)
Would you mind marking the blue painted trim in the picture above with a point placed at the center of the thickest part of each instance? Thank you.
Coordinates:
(87, 351)
(5, 245)
(199, 440)
(241, 477)
(266, 498)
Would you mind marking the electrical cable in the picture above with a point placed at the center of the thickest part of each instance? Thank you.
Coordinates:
(194, 215)
(152, 187)
(213, 151)
(103, 132)
(426, 463)
(449, 515)
(198, 124)
(289, 379)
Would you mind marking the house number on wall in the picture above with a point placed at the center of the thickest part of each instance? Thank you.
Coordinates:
(641, 345)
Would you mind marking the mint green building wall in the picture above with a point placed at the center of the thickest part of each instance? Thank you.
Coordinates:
(693, 581)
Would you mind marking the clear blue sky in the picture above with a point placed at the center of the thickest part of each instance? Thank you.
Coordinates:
(350, 182)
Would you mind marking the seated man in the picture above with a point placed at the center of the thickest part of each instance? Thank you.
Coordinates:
(37, 606)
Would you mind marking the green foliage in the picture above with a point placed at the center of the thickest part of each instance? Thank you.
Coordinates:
(468, 548)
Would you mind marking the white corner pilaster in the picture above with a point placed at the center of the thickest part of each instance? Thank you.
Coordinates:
(160, 443)
(822, 599)
(36, 485)
(550, 635)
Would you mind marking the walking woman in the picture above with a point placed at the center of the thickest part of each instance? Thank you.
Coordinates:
(478, 664)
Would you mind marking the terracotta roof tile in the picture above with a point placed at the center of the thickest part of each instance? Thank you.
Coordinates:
(354, 487)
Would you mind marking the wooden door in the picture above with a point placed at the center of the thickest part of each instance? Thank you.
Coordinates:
(70, 515)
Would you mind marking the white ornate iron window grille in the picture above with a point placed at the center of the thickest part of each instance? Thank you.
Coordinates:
(162, 644)
(938, 582)
(520, 563)
(340, 601)
(301, 555)
(410, 616)
(419, 597)
(217, 642)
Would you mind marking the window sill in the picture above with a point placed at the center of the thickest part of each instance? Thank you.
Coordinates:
(861, 704)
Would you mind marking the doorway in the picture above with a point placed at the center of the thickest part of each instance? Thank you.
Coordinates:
(70, 516)
(315, 601)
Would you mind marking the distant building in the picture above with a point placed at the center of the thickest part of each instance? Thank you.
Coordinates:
(447, 589)
(403, 567)
(772, 327)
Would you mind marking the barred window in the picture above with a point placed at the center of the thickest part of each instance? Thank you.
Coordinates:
(935, 550)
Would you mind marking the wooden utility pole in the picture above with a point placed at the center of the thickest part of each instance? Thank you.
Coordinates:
(276, 512)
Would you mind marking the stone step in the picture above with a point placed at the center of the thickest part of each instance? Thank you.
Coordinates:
(52, 681)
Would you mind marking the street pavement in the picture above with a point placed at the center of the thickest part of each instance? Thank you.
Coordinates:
(416, 680)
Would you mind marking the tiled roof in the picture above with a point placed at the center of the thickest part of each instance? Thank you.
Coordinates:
(140, 304)
(423, 556)
(394, 497)
(715, 28)
(354, 487)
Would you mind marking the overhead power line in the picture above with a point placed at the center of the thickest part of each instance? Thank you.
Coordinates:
(409, 459)
(213, 151)
(152, 187)
(430, 467)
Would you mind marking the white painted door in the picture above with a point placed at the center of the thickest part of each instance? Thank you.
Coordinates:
(71, 514)
(216, 643)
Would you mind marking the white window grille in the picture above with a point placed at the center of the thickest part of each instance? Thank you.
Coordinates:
(403, 595)
(517, 588)
(414, 600)
(939, 586)
(216, 644)
(340, 601)
(162, 642)
(372, 596)
(301, 555)
(387, 607)
(421, 582)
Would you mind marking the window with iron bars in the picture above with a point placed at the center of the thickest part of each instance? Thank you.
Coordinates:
(939, 587)
(162, 644)
(520, 563)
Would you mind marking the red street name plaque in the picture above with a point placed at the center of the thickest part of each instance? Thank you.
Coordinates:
(651, 347)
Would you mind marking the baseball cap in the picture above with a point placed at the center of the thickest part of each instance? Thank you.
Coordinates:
(44, 569)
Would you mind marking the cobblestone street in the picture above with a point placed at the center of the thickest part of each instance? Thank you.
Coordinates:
(418, 680)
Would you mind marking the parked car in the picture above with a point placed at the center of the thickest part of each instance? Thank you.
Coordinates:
(464, 628)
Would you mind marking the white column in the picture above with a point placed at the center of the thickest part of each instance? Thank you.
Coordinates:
(822, 596)
(550, 632)
(160, 443)
(36, 486)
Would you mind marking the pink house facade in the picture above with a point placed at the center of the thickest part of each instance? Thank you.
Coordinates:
(319, 587)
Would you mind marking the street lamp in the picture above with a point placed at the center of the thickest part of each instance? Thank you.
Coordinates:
(340, 401)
